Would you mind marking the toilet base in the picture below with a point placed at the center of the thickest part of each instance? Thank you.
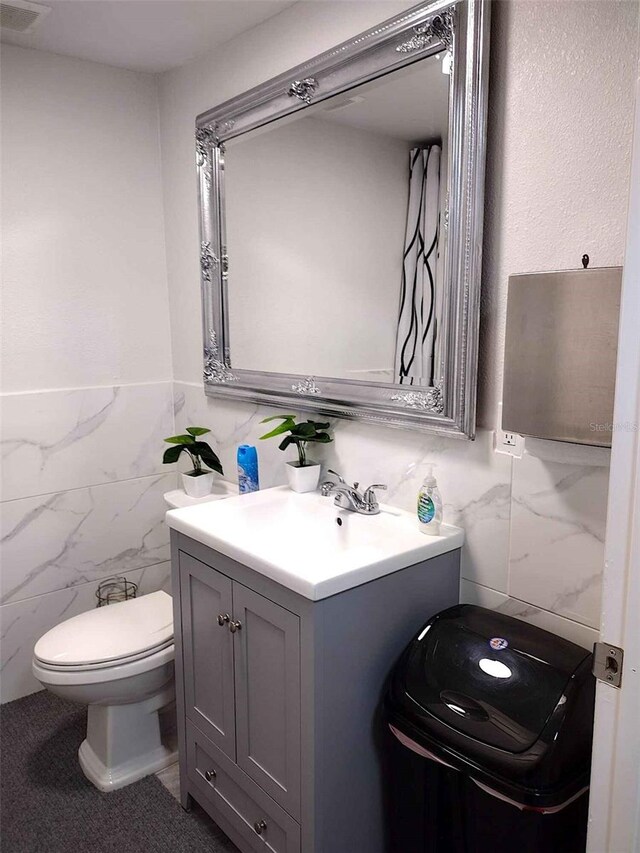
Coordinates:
(125, 743)
(111, 778)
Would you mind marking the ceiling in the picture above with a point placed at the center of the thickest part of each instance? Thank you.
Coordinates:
(143, 35)
(411, 105)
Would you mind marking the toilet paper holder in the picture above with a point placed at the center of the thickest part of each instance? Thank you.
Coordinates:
(115, 589)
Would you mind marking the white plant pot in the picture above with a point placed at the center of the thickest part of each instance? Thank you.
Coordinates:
(303, 479)
(198, 487)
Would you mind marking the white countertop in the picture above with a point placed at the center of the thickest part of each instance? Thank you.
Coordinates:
(295, 539)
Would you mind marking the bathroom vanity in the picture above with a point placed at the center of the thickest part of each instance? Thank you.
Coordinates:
(289, 614)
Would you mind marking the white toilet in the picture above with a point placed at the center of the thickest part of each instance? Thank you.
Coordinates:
(118, 660)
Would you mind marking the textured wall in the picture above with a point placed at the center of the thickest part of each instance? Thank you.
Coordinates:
(561, 105)
(560, 125)
(86, 352)
(84, 270)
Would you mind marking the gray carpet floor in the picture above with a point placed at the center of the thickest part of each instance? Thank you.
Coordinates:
(48, 805)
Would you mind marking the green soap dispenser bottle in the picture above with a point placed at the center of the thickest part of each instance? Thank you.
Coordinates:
(429, 506)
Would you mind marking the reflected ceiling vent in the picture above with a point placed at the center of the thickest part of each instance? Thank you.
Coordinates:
(341, 105)
(21, 16)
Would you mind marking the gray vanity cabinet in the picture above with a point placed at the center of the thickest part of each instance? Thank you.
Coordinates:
(242, 677)
(281, 736)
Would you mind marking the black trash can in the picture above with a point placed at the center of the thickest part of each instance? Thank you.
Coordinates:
(493, 721)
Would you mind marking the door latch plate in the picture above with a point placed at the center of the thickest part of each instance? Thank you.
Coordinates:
(607, 663)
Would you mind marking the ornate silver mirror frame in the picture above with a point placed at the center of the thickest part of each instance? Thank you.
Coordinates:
(449, 407)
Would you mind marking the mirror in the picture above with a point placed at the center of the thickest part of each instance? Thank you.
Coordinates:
(335, 233)
(341, 227)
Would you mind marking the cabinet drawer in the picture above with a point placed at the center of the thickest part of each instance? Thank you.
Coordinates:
(229, 791)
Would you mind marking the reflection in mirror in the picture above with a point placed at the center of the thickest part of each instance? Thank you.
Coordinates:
(336, 233)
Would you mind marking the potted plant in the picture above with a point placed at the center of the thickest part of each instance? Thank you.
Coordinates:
(304, 474)
(197, 483)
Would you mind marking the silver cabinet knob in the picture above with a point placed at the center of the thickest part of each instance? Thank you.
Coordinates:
(210, 775)
(260, 826)
(235, 626)
(223, 619)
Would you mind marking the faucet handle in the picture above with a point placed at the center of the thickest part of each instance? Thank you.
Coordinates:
(370, 496)
(327, 487)
(376, 486)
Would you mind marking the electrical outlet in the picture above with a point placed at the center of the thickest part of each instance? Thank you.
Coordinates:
(508, 442)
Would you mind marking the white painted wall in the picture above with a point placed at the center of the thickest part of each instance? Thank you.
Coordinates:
(86, 351)
(84, 269)
(316, 216)
(560, 118)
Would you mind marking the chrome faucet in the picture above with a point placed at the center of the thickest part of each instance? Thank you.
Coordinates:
(348, 497)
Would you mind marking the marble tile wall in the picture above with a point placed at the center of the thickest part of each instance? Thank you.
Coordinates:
(58, 440)
(557, 537)
(67, 538)
(534, 529)
(82, 487)
(583, 635)
(82, 500)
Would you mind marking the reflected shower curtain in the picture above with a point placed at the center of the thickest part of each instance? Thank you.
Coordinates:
(416, 337)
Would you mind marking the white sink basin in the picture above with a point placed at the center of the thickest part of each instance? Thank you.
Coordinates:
(296, 540)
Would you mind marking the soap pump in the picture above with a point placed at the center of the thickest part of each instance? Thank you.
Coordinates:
(429, 505)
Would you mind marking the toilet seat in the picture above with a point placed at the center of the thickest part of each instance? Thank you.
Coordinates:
(109, 636)
(115, 670)
(74, 667)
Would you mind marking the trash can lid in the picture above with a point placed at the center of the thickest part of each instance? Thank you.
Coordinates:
(489, 676)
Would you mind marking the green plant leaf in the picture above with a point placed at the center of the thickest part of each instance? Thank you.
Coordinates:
(198, 447)
(286, 426)
(322, 437)
(214, 463)
(290, 439)
(180, 439)
(172, 454)
(204, 452)
(304, 430)
(299, 433)
(198, 430)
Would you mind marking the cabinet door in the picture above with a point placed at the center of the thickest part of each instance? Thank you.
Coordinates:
(208, 651)
(267, 667)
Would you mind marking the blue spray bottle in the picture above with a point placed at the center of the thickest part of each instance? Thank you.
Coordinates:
(247, 469)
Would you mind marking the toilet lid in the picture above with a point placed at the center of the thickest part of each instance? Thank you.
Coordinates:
(110, 633)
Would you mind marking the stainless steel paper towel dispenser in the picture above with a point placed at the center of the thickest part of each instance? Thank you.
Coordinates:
(560, 354)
